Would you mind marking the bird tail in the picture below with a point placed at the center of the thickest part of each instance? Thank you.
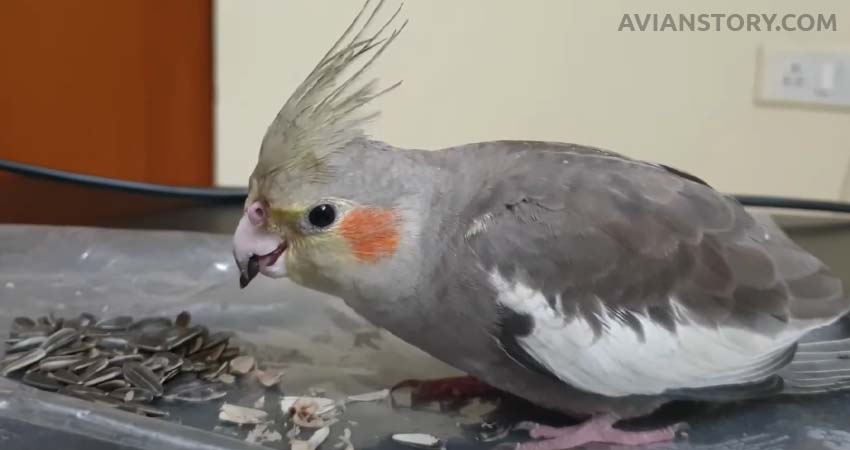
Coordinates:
(821, 362)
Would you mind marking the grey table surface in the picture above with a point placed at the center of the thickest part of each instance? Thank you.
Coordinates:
(318, 341)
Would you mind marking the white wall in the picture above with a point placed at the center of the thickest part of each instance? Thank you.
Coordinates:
(549, 70)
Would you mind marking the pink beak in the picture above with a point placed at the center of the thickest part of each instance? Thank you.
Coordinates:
(255, 249)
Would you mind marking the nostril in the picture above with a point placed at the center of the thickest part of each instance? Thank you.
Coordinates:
(256, 214)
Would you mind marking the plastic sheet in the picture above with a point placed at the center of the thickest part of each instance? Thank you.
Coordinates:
(316, 339)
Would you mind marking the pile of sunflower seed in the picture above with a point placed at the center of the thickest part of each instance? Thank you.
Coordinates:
(120, 362)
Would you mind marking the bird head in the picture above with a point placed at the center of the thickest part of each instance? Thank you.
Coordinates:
(306, 215)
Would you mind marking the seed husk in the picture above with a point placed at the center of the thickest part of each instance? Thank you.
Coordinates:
(241, 365)
(151, 325)
(142, 377)
(241, 415)
(418, 440)
(31, 357)
(41, 381)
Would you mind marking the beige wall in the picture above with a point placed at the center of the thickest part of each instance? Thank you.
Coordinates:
(549, 70)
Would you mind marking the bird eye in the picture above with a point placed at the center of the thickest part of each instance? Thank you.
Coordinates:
(322, 216)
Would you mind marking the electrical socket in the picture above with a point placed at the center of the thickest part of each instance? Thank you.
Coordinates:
(815, 78)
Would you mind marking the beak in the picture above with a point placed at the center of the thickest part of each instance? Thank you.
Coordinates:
(257, 250)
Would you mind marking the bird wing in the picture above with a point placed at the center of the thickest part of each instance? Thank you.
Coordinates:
(622, 277)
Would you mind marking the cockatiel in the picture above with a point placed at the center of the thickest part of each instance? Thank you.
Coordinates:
(577, 278)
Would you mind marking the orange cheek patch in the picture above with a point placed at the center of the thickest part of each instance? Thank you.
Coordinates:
(372, 233)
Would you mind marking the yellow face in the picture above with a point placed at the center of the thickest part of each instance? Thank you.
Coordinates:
(331, 233)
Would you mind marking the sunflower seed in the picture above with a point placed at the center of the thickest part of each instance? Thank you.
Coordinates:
(105, 400)
(26, 344)
(210, 354)
(145, 410)
(95, 366)
(60, 339)
(216, 339)
(115, 323)
(22, 323)
(112, 385)
(81, 322)
(41, 381)
(52, 363)
(230, 353)
(143, 377)
(151, 325)
(102, 376)
(128, 394)
(212, 374)
(169, 375)
(114, 343)
(79, 390)
(75, 348)
(9, 357)
(195, 346)
(156, 362)
(183, 319)
(119, 360)
(151, 342)
(195, 392)
(31, 357)
(183, 337)
(66, 376)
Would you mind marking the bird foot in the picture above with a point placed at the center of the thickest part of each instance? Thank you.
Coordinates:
(453, 390)
(599, 429)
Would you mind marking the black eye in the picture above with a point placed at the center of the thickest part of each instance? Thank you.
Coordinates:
(322, 216)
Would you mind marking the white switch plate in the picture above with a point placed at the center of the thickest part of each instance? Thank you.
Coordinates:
(804, 77)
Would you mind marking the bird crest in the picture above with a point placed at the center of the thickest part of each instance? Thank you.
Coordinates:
(325, 112)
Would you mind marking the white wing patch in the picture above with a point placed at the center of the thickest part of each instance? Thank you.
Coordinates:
(619, 363)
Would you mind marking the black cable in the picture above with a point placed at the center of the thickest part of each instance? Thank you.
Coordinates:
(237, 195)
(793, 203)
(228, 195)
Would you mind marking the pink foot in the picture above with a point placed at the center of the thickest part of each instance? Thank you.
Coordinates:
(597, 429)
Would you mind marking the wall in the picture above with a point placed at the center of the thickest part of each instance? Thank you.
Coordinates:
(549, 70)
